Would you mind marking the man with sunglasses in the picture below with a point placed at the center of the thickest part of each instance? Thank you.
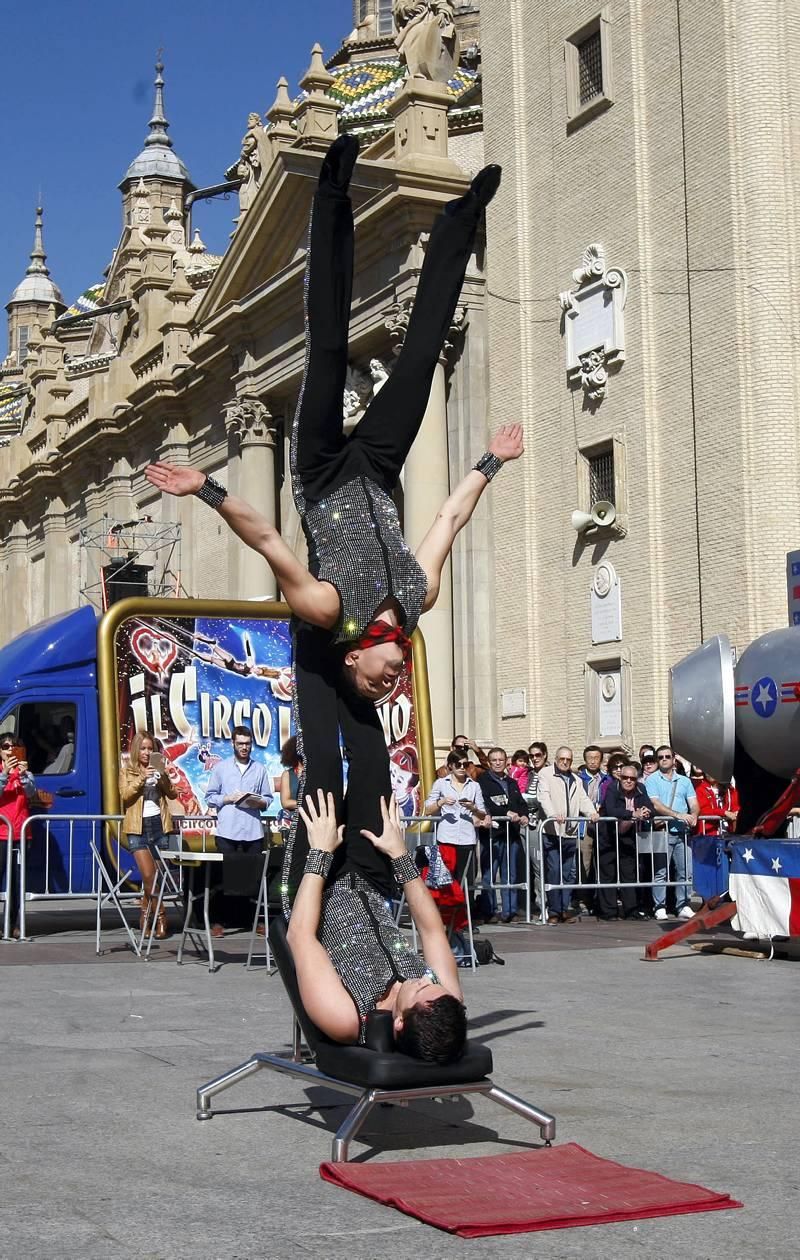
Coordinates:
(674, 800)
(626, 800)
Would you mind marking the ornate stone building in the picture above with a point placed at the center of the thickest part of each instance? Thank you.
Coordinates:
(197, 359)
(651, 161)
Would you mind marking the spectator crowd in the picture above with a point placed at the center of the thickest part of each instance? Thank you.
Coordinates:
(616, 831)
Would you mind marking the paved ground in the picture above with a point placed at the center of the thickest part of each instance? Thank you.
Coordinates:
(687, 1066)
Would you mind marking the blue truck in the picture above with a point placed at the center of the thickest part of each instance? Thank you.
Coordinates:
(75, 688)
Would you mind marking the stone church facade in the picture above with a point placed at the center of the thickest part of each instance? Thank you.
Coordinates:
(651, 150)
(198, 359)
(634, 305)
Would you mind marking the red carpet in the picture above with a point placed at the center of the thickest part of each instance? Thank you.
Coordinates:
(552, 1188)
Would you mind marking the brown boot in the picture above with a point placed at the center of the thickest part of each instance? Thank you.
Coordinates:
(162, 930)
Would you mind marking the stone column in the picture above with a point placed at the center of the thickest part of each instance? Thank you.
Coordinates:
(16, 607)
(426, 485)
(249, 422)
(58, 560)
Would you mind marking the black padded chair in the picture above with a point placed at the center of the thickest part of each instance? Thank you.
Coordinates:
(372, 1073)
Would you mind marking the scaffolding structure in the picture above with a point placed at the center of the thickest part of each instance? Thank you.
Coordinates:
(135, 557)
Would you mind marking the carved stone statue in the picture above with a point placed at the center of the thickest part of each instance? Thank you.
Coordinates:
(427, 38)
(252, 161)
(379, 375)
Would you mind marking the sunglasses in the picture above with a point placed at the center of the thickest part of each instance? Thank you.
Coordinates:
(665, 756)
(461, 765)
(628, 778)
(6, 747)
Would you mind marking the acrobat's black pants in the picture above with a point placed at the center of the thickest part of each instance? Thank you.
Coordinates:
(323, 460)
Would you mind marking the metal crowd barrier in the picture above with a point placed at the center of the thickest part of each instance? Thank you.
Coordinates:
(72, 873)
(12, 855)
(655, 848)
(502, 852)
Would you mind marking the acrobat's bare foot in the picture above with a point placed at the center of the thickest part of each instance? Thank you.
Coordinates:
(483, 188)
(338, 163)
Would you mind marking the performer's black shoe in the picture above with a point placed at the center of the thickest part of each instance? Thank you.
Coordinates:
(483, 188)
(338, 163)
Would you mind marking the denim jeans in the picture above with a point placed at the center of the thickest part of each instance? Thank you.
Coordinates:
(560, 867)
(680, 859)
(506, 869)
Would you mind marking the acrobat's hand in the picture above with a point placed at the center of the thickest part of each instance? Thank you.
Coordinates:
(391, 841)
(507, 442)
(320, 821)
(173, 480)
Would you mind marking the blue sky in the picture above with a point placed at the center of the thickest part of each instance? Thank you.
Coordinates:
(76, 95)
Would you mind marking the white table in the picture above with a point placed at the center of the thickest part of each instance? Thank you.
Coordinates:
(193, 895)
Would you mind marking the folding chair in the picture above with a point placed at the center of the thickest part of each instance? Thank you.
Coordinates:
(110, 897)
(168, 890)
(273, 858)
(373, 1073)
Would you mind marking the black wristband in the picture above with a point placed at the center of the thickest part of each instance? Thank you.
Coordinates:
(212, 492)
(404, 869)
(318, 862)
(489, 465)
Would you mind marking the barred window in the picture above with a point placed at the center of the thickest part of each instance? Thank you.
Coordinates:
(601, 477)
(590, 68)
(363, 10)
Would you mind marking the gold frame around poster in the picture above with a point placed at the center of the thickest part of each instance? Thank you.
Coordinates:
(244, 609)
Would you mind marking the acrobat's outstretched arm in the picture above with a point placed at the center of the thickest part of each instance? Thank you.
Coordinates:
(313, 601)
(456, 511)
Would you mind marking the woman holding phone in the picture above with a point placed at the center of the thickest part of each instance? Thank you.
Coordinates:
(17, 789)
(145, 789)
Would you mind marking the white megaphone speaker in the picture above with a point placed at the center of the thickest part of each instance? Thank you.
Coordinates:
(702, 710)
(603, 513)
(581, 521)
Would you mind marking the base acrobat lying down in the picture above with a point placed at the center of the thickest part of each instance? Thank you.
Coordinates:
(354, 608)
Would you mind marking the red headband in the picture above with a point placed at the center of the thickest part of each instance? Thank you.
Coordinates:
(382, 632)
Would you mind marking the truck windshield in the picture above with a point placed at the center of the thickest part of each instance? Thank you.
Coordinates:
(46, 730)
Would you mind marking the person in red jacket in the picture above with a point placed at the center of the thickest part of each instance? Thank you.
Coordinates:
(716, 801)
(16, 790)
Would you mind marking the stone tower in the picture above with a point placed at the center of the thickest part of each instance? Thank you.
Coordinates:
(35, 301)
(372, 20)
(158, 166)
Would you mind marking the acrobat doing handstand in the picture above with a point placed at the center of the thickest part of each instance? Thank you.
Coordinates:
(362, 594)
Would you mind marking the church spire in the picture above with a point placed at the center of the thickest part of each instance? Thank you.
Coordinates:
(157, 160)
(36, 285)
(38, 263)
(158, 123)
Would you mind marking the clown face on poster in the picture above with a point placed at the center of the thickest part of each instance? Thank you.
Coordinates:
(191, 680)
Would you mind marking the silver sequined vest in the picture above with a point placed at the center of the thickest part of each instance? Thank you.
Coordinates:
(355, 543)
(367, 949)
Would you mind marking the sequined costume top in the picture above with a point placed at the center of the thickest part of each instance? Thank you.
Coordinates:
(367, 949)
(355, 543)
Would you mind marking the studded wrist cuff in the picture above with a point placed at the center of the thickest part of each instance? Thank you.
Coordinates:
(212, 493)
(404, 869)
(489, 465)
(318, 862)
